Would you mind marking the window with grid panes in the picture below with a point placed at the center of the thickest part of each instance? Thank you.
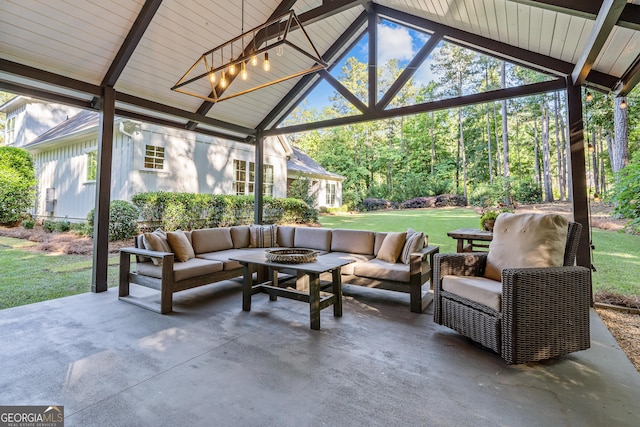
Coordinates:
(154, 157)
(331, 194)
(92, 165)
(245, 177)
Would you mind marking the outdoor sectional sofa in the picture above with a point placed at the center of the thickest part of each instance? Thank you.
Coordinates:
(211, 250)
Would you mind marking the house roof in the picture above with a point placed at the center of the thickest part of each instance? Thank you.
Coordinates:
(300, 162)
(71, 51)
(84, 121)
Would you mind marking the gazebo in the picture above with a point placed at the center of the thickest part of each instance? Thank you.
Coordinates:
(125, 57)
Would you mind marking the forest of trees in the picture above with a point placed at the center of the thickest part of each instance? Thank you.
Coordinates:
(490, 153)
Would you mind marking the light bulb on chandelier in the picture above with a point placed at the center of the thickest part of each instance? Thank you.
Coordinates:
(266, 65)
(243, 71)
(223, 81)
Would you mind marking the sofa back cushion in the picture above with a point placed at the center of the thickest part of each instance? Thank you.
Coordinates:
(415, 242)
(157, 242)
(313, 238)
(378, 242)
(240, 236)
(392, 247)
(180, 245)
(352, 241)
(286, 235)
(526, 241)
(263, 236)
(211, 240)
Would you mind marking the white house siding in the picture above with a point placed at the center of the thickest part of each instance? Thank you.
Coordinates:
(65, 170)
(197, 163)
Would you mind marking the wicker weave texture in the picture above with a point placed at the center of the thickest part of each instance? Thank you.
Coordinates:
(544, 311)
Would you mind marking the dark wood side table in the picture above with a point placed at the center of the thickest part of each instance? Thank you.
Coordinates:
(475, 239)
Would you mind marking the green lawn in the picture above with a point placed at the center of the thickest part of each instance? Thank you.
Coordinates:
(28, 276)
(616, 255)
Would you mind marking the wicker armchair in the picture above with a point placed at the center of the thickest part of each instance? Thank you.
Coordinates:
(544, 312)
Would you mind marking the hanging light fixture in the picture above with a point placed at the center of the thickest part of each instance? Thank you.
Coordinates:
(250, 44)
(589, 97)
(623, 104)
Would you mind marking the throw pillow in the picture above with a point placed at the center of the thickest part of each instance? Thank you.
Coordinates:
(180, 245)
(263, 236)
(415, 242)
(392, 247)
(526, 241)
(156, 241)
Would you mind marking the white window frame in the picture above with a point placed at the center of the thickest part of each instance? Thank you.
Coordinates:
(154, 158)
(330, 193)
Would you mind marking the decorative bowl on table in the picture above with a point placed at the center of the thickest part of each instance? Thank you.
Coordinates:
(291, 256)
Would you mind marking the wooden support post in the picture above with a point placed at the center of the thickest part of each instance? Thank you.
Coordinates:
(259, 179)
(103, 192)
(578, 172)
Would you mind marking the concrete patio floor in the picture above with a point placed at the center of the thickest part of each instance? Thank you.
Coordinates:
(211, 364)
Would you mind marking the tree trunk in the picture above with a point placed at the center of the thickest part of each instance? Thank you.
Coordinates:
(489, 156)
(505, 137)
(496, 127)
(433, 144)
(546, 154)
(594, 160)
(603, 181)
(536, 153)
(620, 156)
(559, 151)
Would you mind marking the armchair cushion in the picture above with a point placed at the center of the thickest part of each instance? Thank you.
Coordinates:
(484, 291)
(526, 241)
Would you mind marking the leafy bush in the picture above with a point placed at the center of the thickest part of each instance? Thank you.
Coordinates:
(17, 184)
(123, 220)
(62, 226)
(48, 226)
(189, 211)
(526, 192)
(29, 223)
(300, 188)
(626, 193)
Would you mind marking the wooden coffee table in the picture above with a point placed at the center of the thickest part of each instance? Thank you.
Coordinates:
(304, 272)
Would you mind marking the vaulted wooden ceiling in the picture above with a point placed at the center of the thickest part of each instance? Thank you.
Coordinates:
(68, 50)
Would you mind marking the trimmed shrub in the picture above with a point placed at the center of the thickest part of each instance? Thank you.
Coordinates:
(28, 223)
(17, 184)
(188, 211)
(123, 220)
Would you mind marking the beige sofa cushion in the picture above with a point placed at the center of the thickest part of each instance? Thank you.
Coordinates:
(156, 241)
(180, 245)
(240, 236)
(263, 236)
(392, 247)
(285, 236)
(382, 270)
(349, 269)
(312, 238)
(181, 270)
(379, 239)
(526, 241)
(211, 240)
(352, 241)
(478, 289)
(224, 257)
